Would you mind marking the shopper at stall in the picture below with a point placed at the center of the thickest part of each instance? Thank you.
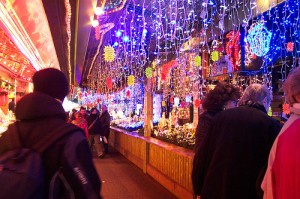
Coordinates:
(105, 128)
(40, 115)
(222, 97)
(94, 128)
(11, 105)
(81, 122)
(234, 154)
(282, 179)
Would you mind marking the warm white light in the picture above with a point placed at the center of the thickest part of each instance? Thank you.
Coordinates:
(95, 23)
(99, 11)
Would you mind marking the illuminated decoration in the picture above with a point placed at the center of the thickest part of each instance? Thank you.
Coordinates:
(109, 53)
(130, 80)
(163, 103)
(12, 59)
(290, 46)
(68, 22)
(148, 72)
(233, 48)
(128, 93)
(259, 39)
(197, 103)
(126, 38)
(197, 61)
(97, 32)
(119, 33)
(154, 64)
(286, 109)
(182, 103)
(215, 56)
(109, 82)
(95, 23)
(165, 71)
(28, 28)
(176, 101)
(99, 11)
(112, 6)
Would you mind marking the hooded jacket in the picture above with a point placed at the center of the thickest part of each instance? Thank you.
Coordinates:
(38, 115)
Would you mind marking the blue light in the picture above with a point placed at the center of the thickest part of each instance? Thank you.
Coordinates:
(145, 31)
(126, 39)
(116, 44)
(118, 33)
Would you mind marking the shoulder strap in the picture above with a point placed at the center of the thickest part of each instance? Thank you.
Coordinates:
(49, 138)
(91, 125)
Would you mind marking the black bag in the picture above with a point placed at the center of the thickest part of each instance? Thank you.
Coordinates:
(21, 169)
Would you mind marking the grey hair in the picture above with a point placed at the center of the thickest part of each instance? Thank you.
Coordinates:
(256, 93)
(291, 86)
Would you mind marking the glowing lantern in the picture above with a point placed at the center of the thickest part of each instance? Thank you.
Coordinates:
(109, 53)
(127, 93)
(215, 56)
(148, 72)
(109, 82)
(163, 103)
(197, 103)
(130, 80)
(290, 46)
(197, 61)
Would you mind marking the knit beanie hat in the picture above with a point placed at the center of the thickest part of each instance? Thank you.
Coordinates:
(52, 82)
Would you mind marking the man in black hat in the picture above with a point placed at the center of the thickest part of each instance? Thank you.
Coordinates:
(40, 114)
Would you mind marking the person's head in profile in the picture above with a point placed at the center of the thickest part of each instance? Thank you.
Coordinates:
(52, 82)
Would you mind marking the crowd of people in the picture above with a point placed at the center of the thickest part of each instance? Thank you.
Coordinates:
(243, 153)
(95, 126)
(240, 153)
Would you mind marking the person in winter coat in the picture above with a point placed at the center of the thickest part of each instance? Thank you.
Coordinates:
(222, 97)
(234, 153)
(80, 122)
(105, 127)
(282, 178)
(41, 113)
(94, 128)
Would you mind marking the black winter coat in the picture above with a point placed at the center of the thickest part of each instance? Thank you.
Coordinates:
(234, 153)
(38, 115)
(105, 124)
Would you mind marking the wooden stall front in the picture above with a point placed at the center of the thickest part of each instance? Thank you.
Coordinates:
(168, 164)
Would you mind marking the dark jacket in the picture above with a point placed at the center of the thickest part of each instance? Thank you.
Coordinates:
(234, 153)
(204, 123)
(105, 124)
(96, 127)
(39, 115)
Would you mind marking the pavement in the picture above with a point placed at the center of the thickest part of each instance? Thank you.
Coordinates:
(121, 179)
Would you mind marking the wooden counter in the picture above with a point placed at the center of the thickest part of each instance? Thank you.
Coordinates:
(169, 164)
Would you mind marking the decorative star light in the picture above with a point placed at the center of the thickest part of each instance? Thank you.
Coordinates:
(148, 72)
(197, 61)
(109, 53)
(259, 39)
(130, 80)
(215, 56)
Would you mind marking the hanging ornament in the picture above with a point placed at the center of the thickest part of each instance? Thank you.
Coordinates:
(290, 46)
(163, 103)
(127, 93)
(197, 103)
(109, 53)
(130, 80)
(171, 99)
(197, 61)
(109, 82)
(259, 38)
(215, 56)
(182, 104)
(154, 64)
(148, 72)
(286, 109)
(97, 32)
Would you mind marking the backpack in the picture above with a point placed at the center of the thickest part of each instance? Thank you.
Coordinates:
(22, 170)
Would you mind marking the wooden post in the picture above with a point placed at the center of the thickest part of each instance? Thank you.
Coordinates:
(148, 119)
(148, 108)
